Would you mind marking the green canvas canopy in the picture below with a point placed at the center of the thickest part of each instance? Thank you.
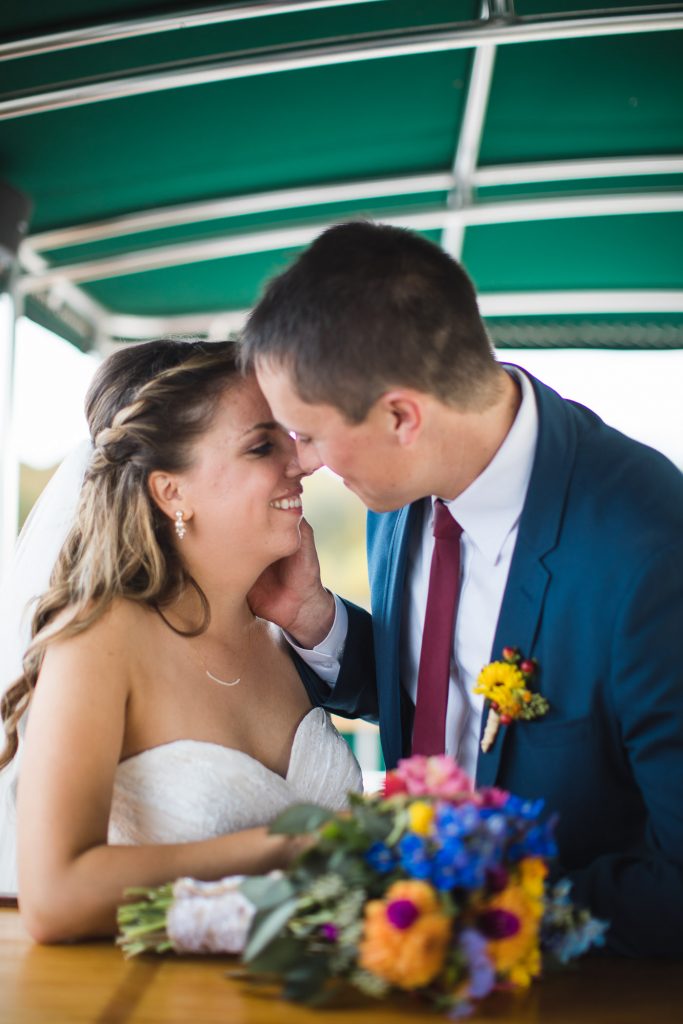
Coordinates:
(177, 155)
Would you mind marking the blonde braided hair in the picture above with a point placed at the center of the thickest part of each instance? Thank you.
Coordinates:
(145, 408)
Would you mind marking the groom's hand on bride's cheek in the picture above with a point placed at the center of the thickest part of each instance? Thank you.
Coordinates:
(290, 594)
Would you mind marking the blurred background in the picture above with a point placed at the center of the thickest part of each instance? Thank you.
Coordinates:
(160, 161)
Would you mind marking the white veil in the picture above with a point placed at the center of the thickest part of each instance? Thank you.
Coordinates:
(25, 578)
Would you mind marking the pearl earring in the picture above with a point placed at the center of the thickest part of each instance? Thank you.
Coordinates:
(180, 528)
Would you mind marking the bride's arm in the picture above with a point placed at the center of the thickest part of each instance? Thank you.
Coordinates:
(70, 880)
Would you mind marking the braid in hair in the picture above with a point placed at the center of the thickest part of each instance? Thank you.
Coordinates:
(146, 406)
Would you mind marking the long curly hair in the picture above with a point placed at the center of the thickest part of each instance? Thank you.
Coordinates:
(145, 408)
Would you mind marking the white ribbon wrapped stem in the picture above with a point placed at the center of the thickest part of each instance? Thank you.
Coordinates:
(209, 917)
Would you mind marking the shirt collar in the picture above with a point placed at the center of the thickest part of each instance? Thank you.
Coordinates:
(492, 505)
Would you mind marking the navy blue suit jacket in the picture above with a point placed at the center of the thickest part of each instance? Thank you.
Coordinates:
(595, 594)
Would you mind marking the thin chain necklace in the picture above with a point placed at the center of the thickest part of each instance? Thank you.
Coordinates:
(221, 682)
(197, 656)
(216, 679)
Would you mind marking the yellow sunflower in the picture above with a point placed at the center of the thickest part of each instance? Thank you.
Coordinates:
(503, 684)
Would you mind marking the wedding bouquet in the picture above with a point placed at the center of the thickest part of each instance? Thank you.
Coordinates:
(433, 888)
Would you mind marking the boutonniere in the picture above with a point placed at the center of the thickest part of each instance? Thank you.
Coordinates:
(506, 685)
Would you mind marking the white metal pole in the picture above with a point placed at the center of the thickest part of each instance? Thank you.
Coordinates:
(10, 310)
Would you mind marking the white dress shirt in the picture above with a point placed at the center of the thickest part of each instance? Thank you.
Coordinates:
(488, 512)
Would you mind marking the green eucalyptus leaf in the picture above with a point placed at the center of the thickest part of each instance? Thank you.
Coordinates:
(375, 826)
(266, 892)
(400, 825)
(278, 957)
(266, 926)
(301, 818)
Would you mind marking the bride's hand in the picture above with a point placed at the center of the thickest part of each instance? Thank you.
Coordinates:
(290, 594)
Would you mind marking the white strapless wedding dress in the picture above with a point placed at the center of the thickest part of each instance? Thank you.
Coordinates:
(189, 790)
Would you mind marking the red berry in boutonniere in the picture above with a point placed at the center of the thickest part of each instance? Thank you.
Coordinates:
(528, 667)
(511, 654)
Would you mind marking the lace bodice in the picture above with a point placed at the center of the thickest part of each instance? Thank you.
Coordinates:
(189, 790)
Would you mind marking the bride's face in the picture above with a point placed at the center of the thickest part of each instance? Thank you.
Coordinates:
(243, 488)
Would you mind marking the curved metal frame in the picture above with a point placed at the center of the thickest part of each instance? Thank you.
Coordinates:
(487, 33)
(112, 32)
(177, 254)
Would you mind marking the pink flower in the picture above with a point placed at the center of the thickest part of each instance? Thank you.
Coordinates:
(491, 796)
(437, 776)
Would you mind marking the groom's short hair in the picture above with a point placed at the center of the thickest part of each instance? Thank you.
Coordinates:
(368, 307)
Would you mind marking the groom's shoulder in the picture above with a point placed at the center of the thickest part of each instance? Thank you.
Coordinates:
(607, 468)
(622, 472)
(624, 500)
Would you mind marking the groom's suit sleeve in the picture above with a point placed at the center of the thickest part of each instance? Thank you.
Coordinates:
(640, 891)
(354, 695)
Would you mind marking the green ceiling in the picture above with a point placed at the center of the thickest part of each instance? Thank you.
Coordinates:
(350, 121)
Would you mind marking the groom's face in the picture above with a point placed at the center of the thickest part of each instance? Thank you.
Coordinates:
(363, 454)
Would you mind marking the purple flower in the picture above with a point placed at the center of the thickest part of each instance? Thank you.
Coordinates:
(482, 976)
(498, 924)
(329, 931)
(496, 878)
(493, 797)
(402, 913)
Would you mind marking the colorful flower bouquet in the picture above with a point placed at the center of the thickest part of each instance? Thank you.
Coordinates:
(434, 888)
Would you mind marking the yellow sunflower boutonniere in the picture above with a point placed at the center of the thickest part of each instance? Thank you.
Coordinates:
(506, 685)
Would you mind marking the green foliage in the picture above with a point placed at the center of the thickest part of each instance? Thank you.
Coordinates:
(265, 891)
(300, 820)
(267, 926)
(277, 958)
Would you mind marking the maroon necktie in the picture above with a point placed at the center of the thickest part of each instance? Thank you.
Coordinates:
(429, 730)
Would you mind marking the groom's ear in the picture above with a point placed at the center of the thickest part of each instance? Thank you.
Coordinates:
(405, 415)
(167, 493)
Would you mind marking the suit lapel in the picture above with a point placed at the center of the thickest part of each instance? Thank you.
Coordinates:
(388, 619)
(539, 529)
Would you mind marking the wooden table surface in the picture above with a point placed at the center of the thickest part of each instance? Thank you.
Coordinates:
(92, 982)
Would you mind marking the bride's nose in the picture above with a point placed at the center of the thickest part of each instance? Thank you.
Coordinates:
(293, 466)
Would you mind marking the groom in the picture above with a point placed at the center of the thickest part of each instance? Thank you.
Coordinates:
(501, 516)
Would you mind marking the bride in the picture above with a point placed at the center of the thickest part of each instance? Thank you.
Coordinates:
(169, 724)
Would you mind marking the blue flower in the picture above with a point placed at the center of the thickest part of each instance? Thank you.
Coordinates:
(540, 842)
(414, 856)
(453, 851)
(527, 810)
(472, 875)
(496, 825)
(457, 822)
(446, 868)
(576, 941)
(381, 858)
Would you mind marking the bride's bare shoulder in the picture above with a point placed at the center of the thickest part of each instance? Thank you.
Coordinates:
(113, 635)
